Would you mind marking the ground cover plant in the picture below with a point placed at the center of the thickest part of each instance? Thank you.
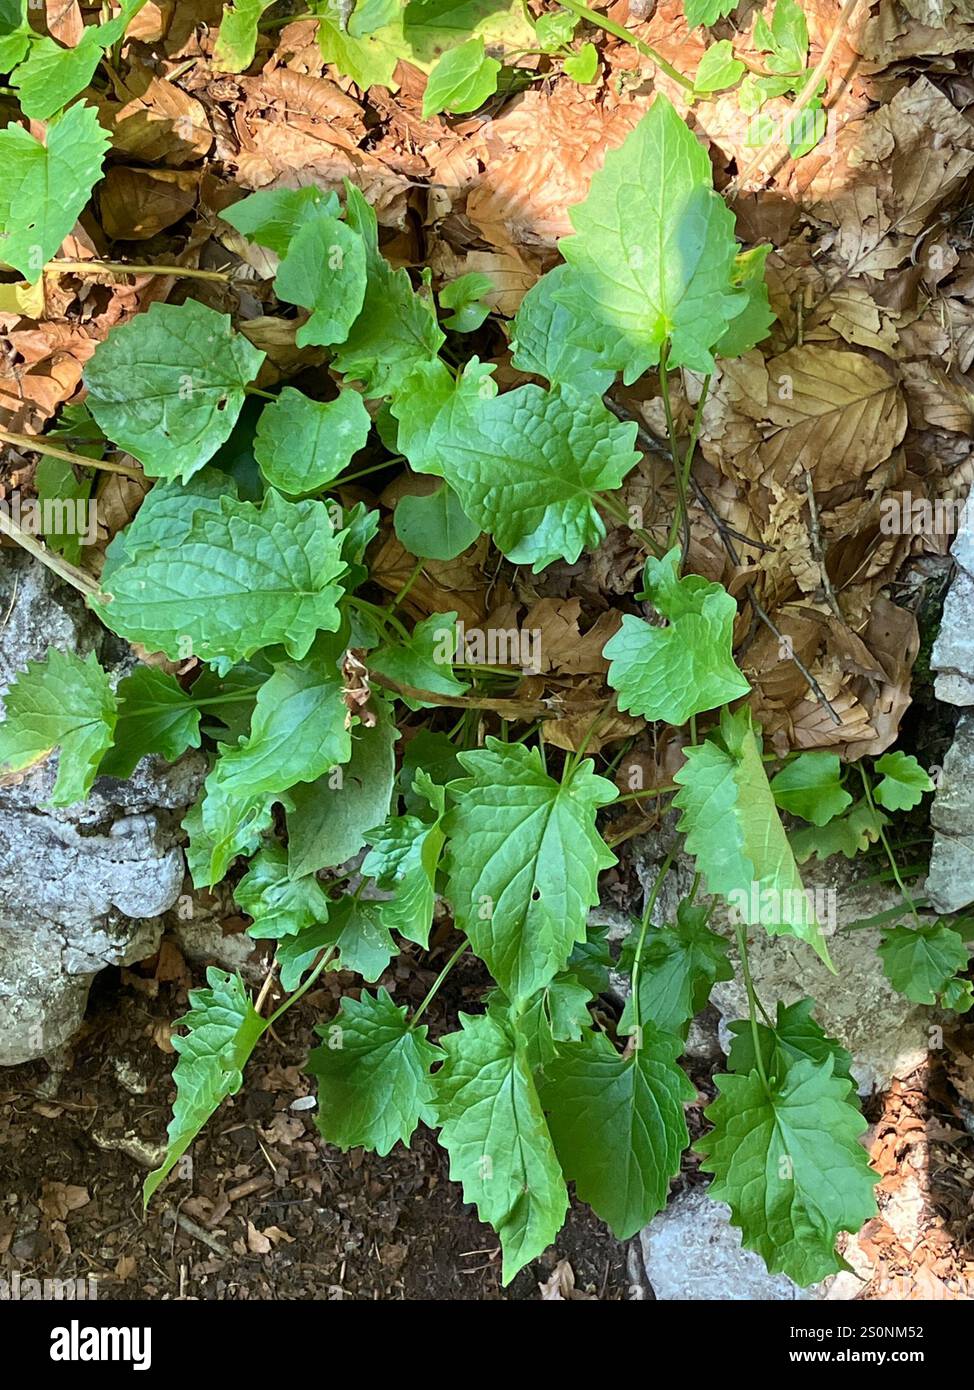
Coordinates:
(333, 724)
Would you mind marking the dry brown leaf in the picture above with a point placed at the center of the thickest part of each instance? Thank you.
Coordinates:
(137, 203)
(838, 414)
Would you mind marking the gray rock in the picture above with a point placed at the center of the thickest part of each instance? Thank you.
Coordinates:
(887, 1034)
(950, 884)
(83, 886)
(691, 1251)
(953, 651)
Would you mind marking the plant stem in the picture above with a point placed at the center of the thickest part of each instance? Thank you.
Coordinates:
(464, 945)
(417, 571)
(867, 788)
(679, 521)
(753, 1003)
(617, 31)
(641, 796)
(637, 959)
(618, 511)
(323, 960)
(37, 444)
(69, 573)
(684, 485)
(120, 268)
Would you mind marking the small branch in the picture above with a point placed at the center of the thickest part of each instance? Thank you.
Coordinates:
(121, 268)
(617, 31)
(818, 550)
(37, 444)
(69, 573)
(813, 684)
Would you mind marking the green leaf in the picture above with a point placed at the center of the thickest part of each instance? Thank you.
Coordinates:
(324, 271)
(53, 75)
(303, 445)
(373, 1070)
(554, 31)
(273, 216)
(368, 59)
(279, 904)
(244, 577)
(224, 1029)
(790, 1166)
(330, 816)
(434, 26)
(921, 962)
(850, 834)
(434, 526)
(61, 702)
(220, 827)
(583, 65)
(428, 401)
(168, 385)
(166, 517)
(43, 188)
(297, 733)
(464, 296)
(753, 323)
(805, 128)
(494, 1130)
(236, 42)
(357, 932)
(397, 328)
(796, 1037)
(718, 68)
(540, 343)
(676, 671)
(958, 995)
(155, 715)
(733, 828)
(618, 1125)
(679, 966)
(786, 37)
(523, 861)
(528, 467)
(67, 522)
(15, 33)
(653, 255)
(904, 782)
(425, 661)
(462, 80)
(811, 787)
(706, 11)
(403, 859)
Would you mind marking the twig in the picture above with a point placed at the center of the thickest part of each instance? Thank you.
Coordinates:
(198, 1233)
(37, 444)
(806, 94)
(818, 550)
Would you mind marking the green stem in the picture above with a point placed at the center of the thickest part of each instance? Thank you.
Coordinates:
(617, 31)
(679, 515)
(258, 391)
(417, 571)
(867, 788)
(618, 511)
(641, 796)
(464, 945)
(302, 989)
(647, 913)
(185, 272)
(753, 1004)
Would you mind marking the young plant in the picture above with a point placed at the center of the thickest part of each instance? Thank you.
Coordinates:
(262, 580)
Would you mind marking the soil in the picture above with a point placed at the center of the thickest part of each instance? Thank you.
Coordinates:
(270, 1211)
